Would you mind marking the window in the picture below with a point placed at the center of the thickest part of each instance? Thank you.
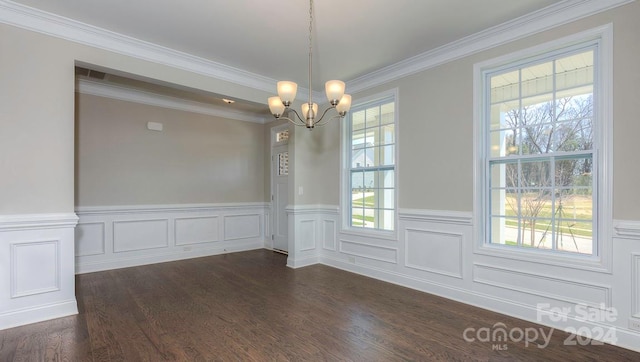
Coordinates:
(541, 135)
(282, 136)
(370, 162)
(283, 163)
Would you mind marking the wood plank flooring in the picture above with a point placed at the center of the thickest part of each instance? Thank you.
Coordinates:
(250, 307)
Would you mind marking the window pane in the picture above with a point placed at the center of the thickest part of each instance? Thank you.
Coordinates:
(358, 140)
(283, 163)
(357, 180)
(386, 199)
(573, 172)
(358, 158)
(387, 113)
(387, 178)
(575, 70)
(504, 88)
(370, 215)
(574, 135)
(574, 236)
(369, 180)
(373, 117)
(534, 206)
(504, 230)
(387, 155)
(387, 134)
(387, 219)
(575, 203)
(357, 217)
(504, 175)
(537, 79)
(504, 202)
(535, 174)
(574, 104)
(357, 120)
(503, 143)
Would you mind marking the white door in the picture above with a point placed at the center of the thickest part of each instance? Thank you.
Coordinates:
(279, 195)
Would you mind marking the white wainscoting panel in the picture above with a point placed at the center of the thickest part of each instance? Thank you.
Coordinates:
(37, 280)
(90, 238)
(146, 234)
(544, 286)
(635, 285)
(196, 230)
(35, 267)
(434, 251)
(369, 251)
(241, 226)
(306, 234)
(329, 234)
(140, 235)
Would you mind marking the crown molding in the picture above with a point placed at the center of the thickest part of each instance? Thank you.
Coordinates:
(54, 25)
(153, 99)
(538, 21)
(43, 22)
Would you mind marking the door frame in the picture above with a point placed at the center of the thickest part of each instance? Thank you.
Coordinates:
(273, 144)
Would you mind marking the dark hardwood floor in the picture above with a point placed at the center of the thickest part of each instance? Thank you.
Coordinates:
(250, 307)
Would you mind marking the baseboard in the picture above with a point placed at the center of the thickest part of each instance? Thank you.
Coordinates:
(300, 263)
(88, 267)
(625, 338)
(38, 314)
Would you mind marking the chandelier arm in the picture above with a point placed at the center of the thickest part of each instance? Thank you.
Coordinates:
(323, 114)
(297, 115)
(327, 121)
(292, 121)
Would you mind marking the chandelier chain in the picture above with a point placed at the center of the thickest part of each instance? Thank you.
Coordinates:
(310, 48)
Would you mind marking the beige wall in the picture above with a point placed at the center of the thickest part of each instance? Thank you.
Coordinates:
(195, 159)
(317, 164)
(436, 123)
(37, 114)
(435, 126)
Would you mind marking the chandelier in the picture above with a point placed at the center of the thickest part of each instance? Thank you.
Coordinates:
(334, 89)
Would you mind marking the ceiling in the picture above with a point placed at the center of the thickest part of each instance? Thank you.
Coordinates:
(270, 38)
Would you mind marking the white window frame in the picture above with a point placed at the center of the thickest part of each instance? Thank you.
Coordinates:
(602, 154)
(345, 178)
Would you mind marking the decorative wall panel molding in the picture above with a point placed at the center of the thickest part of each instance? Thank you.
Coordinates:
(306, 234)
(329, 235)
(146, 234)
(197, 230)
(35, 268)
(543, 286)
(90, 238)
(134, 235)
(242, 226)
(635, 285)
(369, 251)
(434, 251)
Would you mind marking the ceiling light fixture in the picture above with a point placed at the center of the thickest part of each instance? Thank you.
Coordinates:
(228, 101)
(334, 89)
